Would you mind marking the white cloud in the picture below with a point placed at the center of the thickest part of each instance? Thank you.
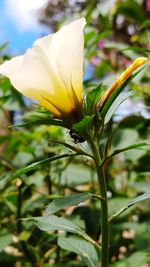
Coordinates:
(24, 12)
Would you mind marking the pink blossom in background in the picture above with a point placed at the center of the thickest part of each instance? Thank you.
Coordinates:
(148, 5)
(101, 44)
(95, 61)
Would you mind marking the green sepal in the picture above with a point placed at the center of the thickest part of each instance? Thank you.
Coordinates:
(92, 97)
(83, 127)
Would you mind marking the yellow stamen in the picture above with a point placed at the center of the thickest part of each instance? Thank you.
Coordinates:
(123, 77)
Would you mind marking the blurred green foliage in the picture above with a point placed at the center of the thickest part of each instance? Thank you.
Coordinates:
(117, 32)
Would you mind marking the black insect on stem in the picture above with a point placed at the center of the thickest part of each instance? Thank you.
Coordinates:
(77, 138)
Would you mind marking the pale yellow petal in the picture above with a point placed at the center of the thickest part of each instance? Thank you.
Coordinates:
(63, 53)
(30, 76)
(26, 72)
(52, 71)
(10, 67)
(71, 52)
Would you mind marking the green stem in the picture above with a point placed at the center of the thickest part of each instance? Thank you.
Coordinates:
(90, 240)
(104, 202)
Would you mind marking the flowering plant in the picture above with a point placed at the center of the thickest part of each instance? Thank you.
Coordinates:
(52, 73)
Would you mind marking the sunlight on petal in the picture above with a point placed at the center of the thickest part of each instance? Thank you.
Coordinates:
(52, 71)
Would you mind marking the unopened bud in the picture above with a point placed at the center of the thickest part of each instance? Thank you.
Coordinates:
(123, 77)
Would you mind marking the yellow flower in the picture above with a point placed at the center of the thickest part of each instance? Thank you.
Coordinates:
(122, 78)
(51, 72)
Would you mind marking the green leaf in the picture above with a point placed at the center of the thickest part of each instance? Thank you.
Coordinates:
(117, 102)
(135, 146)
(41, 121)
(133, 121)
(82, 127)
(136, 49)
(132, 10)
(53, 223)
(64, 202)
(145, 24)
(39, 164)
(4, 179)
(116, 203)
(33, 166)
(2, 47)
(92, 98)
(139, 199)
(5, 240)
(77, 174)
(138, 259)
(82, 248)
(144, 185)
(104, 34)
(134, 201)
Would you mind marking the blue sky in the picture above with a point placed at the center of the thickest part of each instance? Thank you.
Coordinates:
(19, 25)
